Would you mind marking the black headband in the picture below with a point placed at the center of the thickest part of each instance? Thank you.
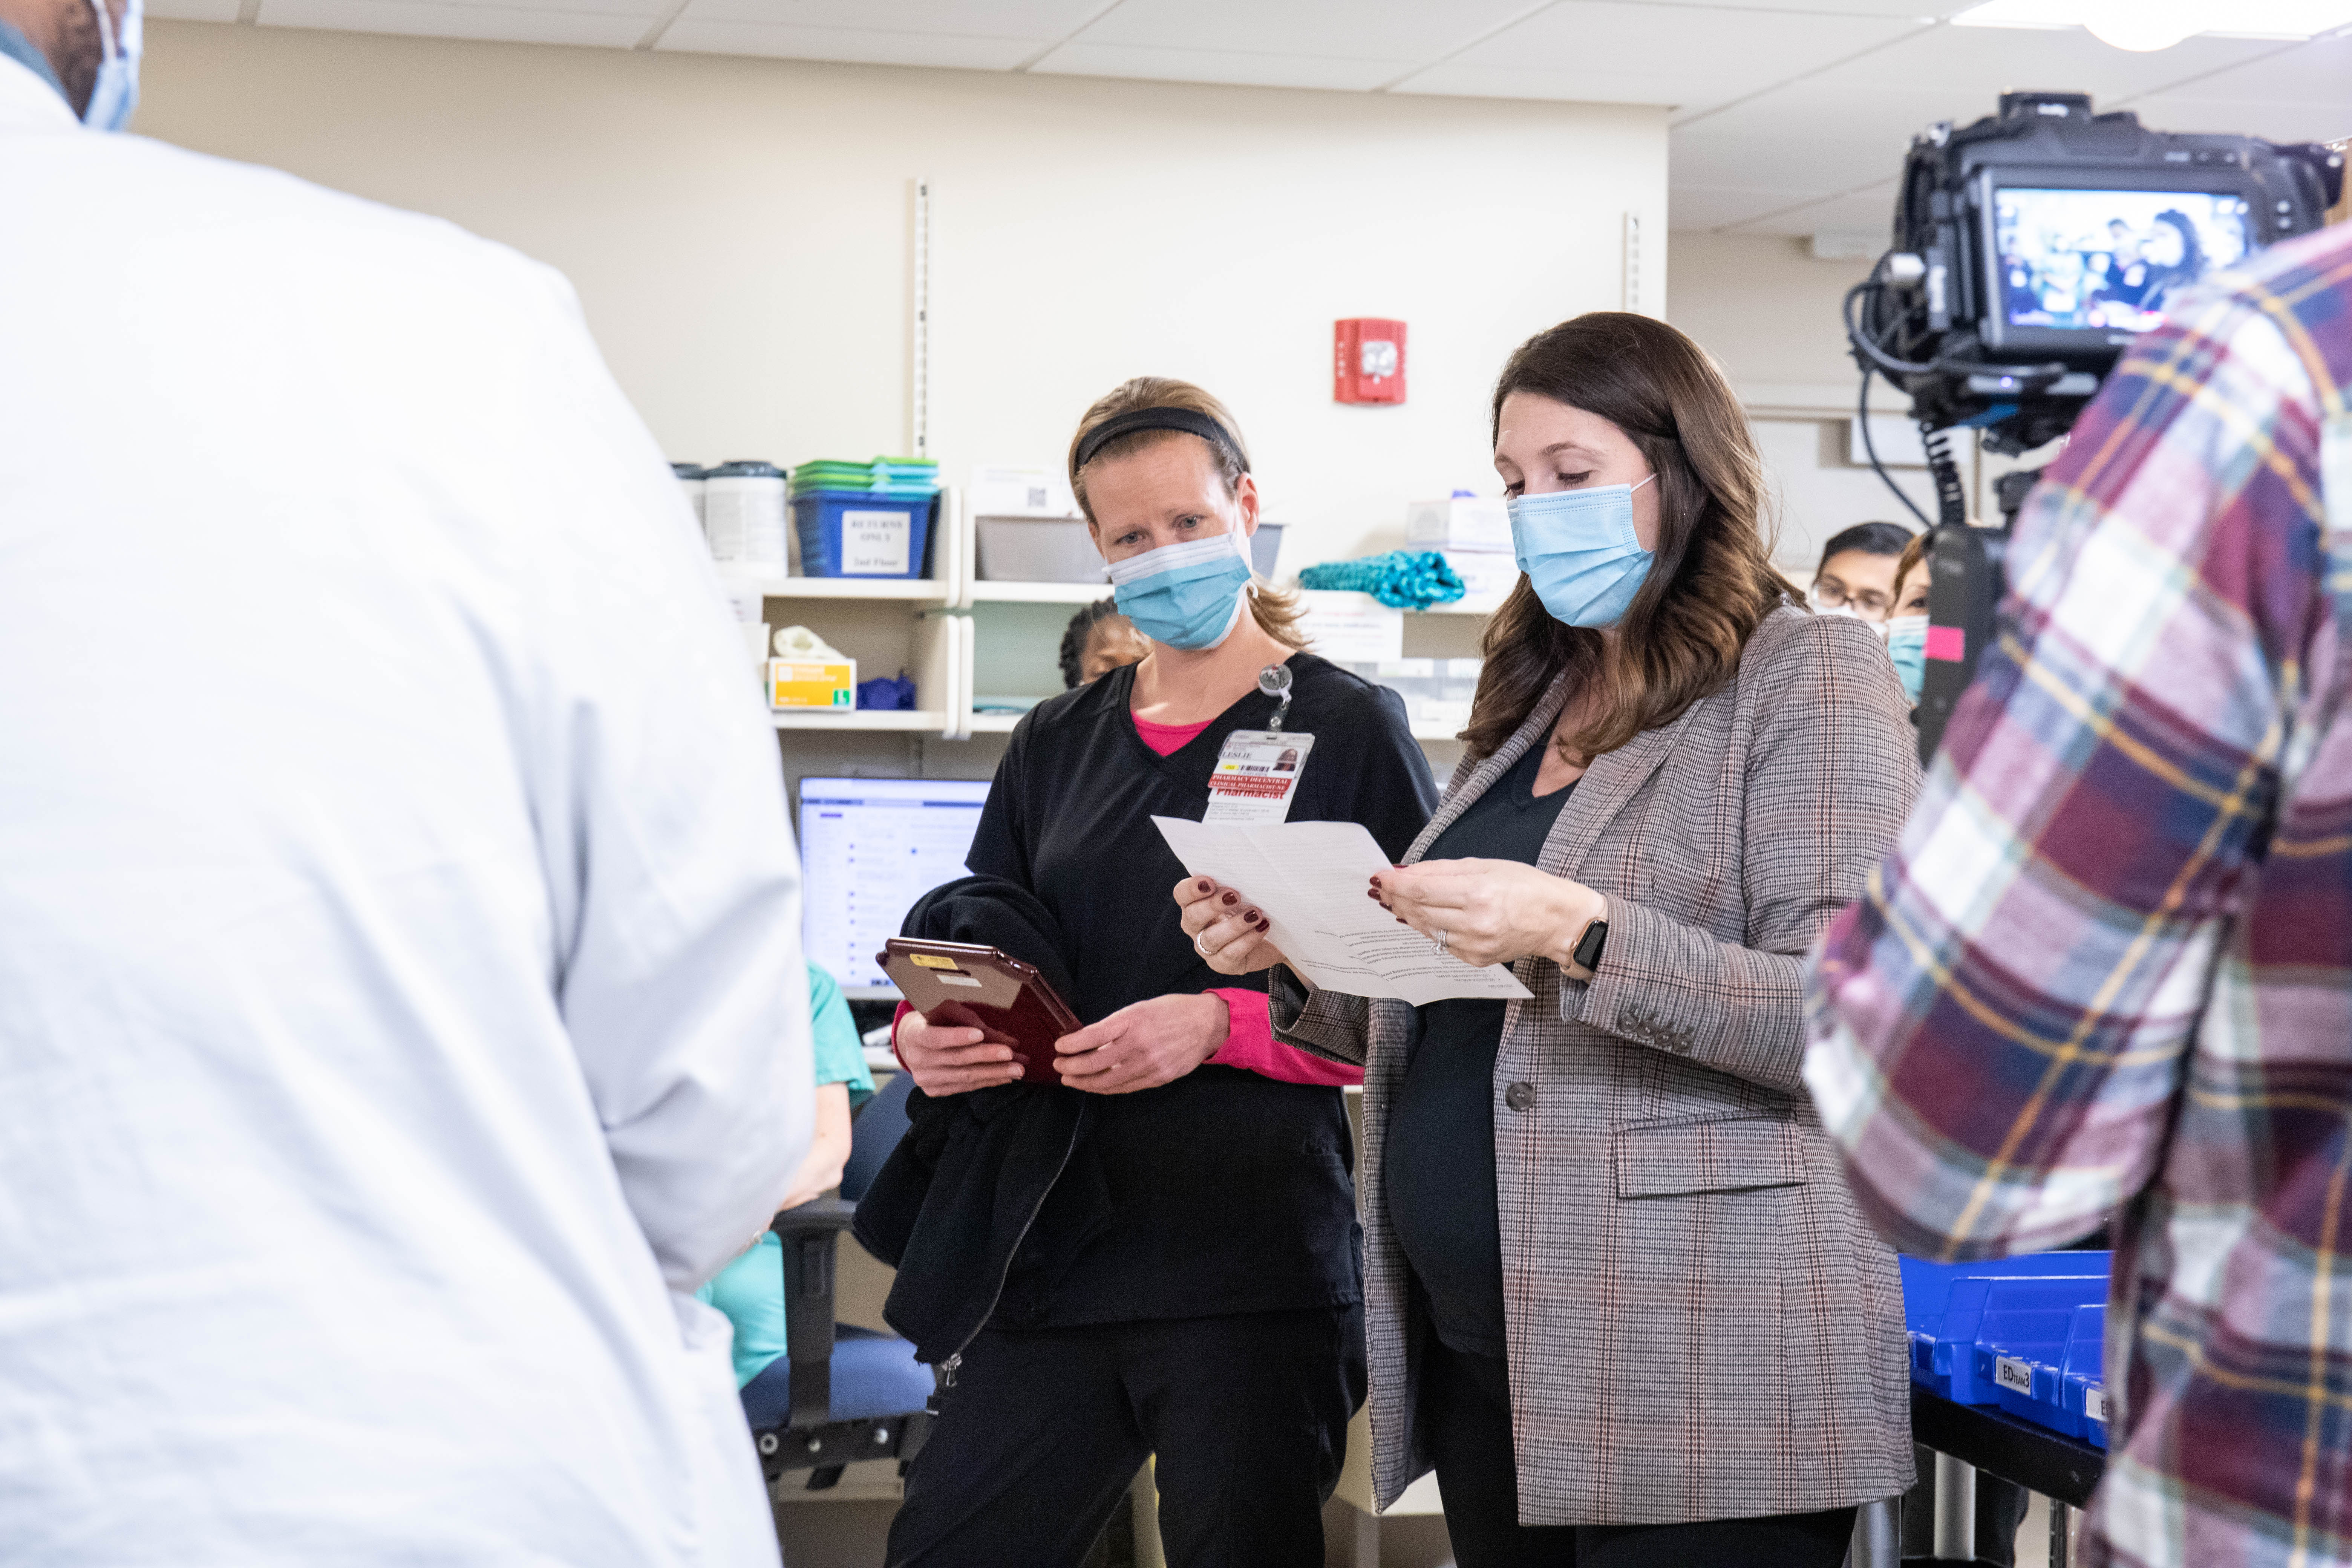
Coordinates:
(1185, 419)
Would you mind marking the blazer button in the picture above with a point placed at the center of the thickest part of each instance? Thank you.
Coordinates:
(1519, 1096)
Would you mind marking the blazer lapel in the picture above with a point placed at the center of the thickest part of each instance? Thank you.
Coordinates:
(1466, 788)
(1608, 786)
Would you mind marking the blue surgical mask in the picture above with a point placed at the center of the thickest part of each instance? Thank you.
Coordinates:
(1906, 645)
(1187, 595)
(116, 92)
(1580, 553)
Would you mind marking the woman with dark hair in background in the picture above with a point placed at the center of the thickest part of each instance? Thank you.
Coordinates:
(1097, 640)
(1616, 1291)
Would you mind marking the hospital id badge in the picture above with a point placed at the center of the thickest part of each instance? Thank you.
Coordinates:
(1257, 774)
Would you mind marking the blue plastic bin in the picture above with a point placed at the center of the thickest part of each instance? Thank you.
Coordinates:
(1943, 1307)
(2027, 1345)
(858, 534)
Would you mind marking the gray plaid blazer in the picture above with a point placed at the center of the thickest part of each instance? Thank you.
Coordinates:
(1701, 1324)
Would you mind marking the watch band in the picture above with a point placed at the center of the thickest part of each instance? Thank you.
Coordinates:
(1584, 957)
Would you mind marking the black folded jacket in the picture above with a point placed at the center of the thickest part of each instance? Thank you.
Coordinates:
(965, 1187)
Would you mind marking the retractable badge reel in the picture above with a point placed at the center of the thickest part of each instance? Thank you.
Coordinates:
(1258, 770)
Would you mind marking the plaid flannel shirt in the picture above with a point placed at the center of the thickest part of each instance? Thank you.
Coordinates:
(2109, 966)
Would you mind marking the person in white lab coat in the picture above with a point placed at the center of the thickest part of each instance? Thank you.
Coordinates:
(400, 1003)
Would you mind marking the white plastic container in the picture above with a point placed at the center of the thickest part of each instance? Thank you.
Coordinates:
(743, 515)
(1459, 523)
(1000, 489)
(1488, 578)
(1060, 549)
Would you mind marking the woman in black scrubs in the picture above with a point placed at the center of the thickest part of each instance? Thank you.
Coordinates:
(1190, 1288)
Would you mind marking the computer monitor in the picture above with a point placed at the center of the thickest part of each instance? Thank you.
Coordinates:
(869, 848)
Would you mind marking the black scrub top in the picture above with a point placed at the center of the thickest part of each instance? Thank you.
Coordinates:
(1440, 1165)
(1228, 1192)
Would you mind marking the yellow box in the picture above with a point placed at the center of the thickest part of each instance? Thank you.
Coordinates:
(794, 684)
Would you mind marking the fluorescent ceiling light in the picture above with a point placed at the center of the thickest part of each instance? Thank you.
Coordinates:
(2145, 25)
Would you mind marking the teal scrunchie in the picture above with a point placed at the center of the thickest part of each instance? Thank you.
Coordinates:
(1402, 579)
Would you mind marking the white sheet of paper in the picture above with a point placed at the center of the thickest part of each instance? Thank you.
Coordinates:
(1310, 878)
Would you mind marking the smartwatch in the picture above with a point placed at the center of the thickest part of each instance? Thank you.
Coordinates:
(1585, 956)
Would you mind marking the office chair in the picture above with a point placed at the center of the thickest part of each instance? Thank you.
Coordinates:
(854, 1393)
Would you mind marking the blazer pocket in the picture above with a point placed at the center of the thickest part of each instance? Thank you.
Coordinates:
(1718, 1155)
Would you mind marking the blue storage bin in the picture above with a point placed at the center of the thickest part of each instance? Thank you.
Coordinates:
(1943, 1309)
(860, 533)
(2028, 1343)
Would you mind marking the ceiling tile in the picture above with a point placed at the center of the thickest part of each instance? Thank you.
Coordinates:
(1861, 212)
(1959, 73)
(1793, 151)
(1710, 206)
(2317, 72)
(1689, 57)
(2273, 119)
(193, 10)
(614, 23)
(1406, 32)
(1912, 9)
(1040, 22)
(1232, 67)
(695, 34)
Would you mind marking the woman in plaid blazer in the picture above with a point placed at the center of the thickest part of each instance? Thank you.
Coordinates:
(1617, 1293)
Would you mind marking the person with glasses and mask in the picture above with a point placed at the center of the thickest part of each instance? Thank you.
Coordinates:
(1856, 577)
(1165, 1263)
(1593, 1216)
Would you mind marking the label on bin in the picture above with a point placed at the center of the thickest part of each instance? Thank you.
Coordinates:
(2014, 1375)
(876, 543)
(2094, 1404)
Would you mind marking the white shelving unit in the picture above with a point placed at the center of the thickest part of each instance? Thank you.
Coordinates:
(1073, 594)
(927, 627)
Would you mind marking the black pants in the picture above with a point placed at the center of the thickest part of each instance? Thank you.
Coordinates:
(1042, 1431)
(1465, 1420)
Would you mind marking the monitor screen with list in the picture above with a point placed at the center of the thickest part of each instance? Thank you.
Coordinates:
(869, 848)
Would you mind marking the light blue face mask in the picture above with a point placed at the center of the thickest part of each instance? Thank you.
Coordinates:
(1906, 645)
(1187, 595)
(116, 92)
(1580, 553)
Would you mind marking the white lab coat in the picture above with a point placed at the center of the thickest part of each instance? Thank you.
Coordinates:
(400, 1002)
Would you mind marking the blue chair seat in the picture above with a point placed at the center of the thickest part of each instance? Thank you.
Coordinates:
(874, 1375)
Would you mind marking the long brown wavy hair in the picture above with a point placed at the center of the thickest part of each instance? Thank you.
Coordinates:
(1713, 581)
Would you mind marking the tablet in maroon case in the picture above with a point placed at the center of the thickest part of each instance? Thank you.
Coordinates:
(965, 985)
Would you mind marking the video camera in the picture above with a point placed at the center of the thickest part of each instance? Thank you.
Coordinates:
(2030, 249)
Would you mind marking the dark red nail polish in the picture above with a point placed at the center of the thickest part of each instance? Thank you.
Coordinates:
(1205, 886)
(1233, 898)
(1376, 881)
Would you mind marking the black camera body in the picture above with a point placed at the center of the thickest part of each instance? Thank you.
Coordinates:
(2030, 249)
(2047, 237)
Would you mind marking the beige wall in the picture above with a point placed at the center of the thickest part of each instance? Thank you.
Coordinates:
(739, 232)
(1770, 313)
(1762, 306)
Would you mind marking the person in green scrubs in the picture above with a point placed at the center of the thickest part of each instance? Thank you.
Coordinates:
(750, 1290)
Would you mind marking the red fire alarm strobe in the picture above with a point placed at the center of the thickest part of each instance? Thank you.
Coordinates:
(1367, 361)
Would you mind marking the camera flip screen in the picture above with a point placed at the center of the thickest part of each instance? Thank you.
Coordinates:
(2111, 260)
